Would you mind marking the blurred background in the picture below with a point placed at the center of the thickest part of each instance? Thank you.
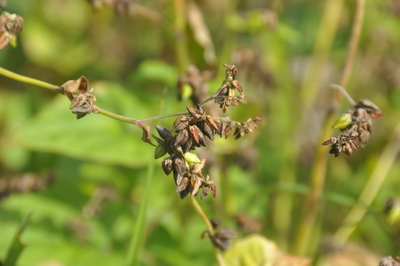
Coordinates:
(84, 180)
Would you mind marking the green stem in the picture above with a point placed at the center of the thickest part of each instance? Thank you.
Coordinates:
(139, 229)
(217, 252)
(327, 31)
(370, 190)
(24, 79)
(181, 49)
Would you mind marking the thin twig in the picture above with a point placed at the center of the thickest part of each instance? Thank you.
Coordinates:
(345, 93)
(217, 252)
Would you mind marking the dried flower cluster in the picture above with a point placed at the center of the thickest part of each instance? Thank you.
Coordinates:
(191, 132)
(225, 96)
(222, 238)
(78, 92)
(356, 126)
(10, 25)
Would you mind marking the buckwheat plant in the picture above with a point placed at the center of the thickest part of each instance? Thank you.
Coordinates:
(356, 125)
(191, 130)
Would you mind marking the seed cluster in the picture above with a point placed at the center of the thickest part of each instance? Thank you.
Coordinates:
(356, 133)
(225, 96)
(83, 102)
(191, 132)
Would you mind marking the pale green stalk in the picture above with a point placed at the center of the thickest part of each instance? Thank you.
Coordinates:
(139, 229)
(371, 189)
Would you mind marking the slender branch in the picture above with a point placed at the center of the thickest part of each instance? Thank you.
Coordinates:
(146, 120)
(217, 252)
(25, 79)
(345, 93)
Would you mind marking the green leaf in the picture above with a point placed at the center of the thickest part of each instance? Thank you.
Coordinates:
(17, 246)
(95, 137)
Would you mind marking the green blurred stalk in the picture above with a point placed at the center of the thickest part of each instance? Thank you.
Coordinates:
(370, 190)
(325, 38)
(136, 244)
(16, 246)
(318, 173)
(181, 48)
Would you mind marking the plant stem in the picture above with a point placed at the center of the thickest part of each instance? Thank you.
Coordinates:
(345, 93)
(49, 86)
(136, 243)
(370, 190)
(318, 173)
(181, 49)
(27, 80)
(217, 252)
(116, 116)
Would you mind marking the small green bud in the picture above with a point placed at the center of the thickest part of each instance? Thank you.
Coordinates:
(186, 92)
(192, 157)
(159, 151)
(393, 211)
(343, 121)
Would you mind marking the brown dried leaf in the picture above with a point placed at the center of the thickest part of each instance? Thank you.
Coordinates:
(146, 133)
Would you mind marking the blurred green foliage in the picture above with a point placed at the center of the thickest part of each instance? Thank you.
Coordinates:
(133, 64)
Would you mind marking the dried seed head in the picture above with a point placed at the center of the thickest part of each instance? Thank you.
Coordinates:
(221, 239)
(225, 96)
(83, 104)
(10, 26)
(356, 126)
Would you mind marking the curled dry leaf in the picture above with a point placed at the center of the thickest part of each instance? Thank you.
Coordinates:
(146, 134)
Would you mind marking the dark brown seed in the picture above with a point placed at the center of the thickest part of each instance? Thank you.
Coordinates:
(164, 132)
(179, 165)
(181, 123)
(181, 138)
(167, 165)
(183, 184)
(187, 146)
(194, 133)
(210, 121)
